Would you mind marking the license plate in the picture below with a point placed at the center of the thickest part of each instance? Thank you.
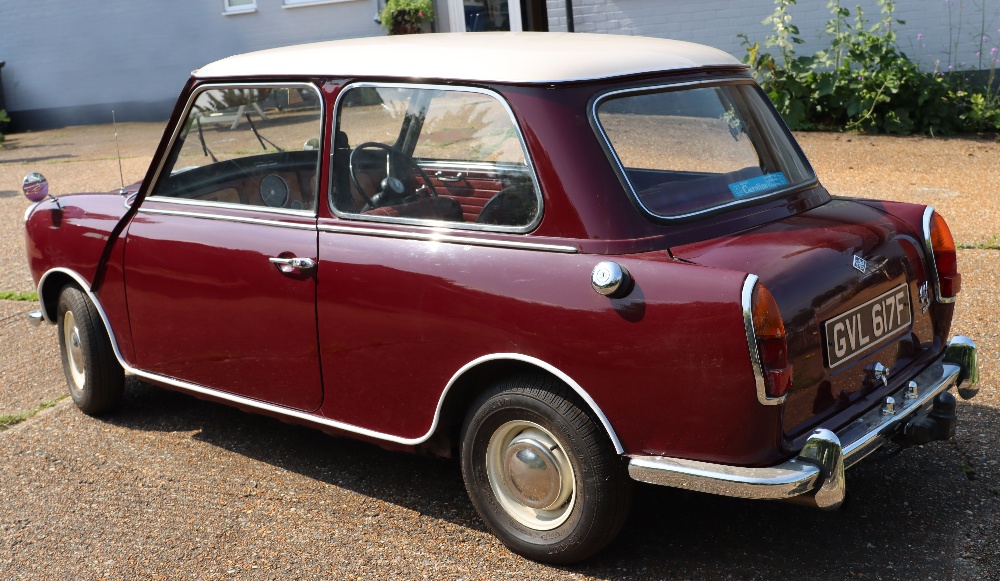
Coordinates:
(867, 325)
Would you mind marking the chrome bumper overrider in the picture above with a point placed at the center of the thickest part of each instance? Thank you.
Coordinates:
(35, 317)
(816, 475)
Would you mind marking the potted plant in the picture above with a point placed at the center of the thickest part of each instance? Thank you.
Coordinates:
(406, 16)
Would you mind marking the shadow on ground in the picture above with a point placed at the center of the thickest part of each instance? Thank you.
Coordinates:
(919, 506)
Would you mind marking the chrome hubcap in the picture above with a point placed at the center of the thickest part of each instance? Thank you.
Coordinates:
(530, 475)
(532, 472)
(74, 351)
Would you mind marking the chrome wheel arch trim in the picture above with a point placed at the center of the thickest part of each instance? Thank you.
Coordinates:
(542, 365)
(309, 416)
(85, 286)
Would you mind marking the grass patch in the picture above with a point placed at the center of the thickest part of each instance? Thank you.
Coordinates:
(8, 420)
(18, 296)
(992, 244)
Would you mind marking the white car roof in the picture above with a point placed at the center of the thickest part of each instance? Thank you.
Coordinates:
(504, 57)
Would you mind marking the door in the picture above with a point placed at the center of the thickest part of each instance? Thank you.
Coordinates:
(399, 312)
(220, 260)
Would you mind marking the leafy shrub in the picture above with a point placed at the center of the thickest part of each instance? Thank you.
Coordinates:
(405, 16)
(3, 119)
(864, 81)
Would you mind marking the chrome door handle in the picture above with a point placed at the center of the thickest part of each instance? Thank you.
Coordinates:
(287, 264)
(443, 178)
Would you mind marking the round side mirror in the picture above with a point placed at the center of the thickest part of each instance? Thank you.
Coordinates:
(35, 187)
(311, 145)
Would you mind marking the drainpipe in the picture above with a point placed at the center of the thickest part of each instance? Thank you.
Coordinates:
(569, 16)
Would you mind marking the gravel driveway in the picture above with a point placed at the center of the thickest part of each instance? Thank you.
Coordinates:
(174, 487)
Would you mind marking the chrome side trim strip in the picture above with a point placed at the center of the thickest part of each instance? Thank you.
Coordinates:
(319, 420)
(322, 421)
(230, 206)
(439, 236)
(758, 374)
(239, 219)
(931, 262)
(264, 406)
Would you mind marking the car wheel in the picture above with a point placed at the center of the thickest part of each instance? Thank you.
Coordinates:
(541, 472)
(96, 379)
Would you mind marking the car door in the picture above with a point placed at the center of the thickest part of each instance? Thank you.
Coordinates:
(399, 312)
(220, 259)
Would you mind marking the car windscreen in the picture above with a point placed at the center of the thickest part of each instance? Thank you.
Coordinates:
(686, 150)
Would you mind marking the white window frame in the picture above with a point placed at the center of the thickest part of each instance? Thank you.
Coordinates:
(456, 15)
(302, 3)
(229, 8)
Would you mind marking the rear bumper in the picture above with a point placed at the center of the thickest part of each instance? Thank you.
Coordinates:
(816, 475)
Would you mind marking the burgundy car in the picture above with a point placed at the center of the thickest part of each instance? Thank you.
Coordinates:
(572, 261)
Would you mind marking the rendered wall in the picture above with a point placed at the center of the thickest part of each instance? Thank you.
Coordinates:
(71, 63)
(946, 27)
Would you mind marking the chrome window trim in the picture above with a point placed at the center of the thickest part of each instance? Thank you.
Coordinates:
(231, 206)
(623, 175)
(226, 218)
(439, 223)
(473, 166)
(933, 275)
(240, 85)
(758, 376)
(440, 235)
(316, 419)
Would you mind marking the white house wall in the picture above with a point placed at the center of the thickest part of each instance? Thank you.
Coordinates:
(946, 27)
(73, 62)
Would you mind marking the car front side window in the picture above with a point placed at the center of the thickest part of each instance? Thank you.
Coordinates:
(247, 145)
(431, 155)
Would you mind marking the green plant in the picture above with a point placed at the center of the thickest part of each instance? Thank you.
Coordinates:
(993, 243)
(4, 118)
(18, 296)
(864, 81)
(405, 16)
(8, 420)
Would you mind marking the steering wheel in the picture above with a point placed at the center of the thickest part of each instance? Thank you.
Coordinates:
(391, 188)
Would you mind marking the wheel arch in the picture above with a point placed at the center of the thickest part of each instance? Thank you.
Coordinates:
(478, 375)
(49, 287)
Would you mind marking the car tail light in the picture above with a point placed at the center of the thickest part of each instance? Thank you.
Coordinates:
(943, 260)
(767, 341)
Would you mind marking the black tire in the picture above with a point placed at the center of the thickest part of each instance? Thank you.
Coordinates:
(95, 378)
(512, 423)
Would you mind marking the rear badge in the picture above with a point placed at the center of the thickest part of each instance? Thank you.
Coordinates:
(860, 263)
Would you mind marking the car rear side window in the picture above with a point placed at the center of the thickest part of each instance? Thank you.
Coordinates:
(431, 155)
(690, 149)
(247, 145)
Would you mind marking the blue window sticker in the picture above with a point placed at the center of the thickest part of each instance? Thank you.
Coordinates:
(754, 186)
